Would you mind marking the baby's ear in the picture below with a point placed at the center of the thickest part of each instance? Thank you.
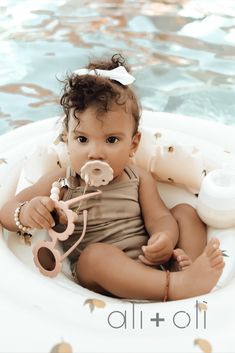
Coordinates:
(136, 140)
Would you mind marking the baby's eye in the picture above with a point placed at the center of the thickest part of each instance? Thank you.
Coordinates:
(82, 139)
(112, 139)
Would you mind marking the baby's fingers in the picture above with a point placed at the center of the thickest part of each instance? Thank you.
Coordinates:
(48, 203)
(42, 216)
(41, 222)
(159, 256)
(154, 248)
(143, 259)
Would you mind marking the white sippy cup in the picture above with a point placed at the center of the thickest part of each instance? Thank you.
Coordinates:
(216, 207)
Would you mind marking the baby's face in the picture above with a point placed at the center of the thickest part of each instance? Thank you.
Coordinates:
(109, 139)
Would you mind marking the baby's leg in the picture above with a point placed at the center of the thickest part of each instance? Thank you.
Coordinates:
(106, 269)
(192, 231)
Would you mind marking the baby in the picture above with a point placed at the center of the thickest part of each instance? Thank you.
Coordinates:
(130, 231)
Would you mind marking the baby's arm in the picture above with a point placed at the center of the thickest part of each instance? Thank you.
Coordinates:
(159, 222)
(35, 213)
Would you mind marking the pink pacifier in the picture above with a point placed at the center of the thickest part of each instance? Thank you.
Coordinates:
(96, 173)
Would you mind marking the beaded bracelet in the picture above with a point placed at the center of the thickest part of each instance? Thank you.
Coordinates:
(21, 228)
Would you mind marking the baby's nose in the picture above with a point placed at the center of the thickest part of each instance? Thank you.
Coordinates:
(96, 152)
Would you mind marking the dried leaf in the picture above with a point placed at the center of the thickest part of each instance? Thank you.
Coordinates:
(224, 253)
(99, 303)
(204, 345)
(62, 348)
(3, 160)
(202, 307)
(204, 172)
(170, 180)
(158, 135)
(95, 303)
(59, 164)
(171, 149)
(57, 140)
(60, 138)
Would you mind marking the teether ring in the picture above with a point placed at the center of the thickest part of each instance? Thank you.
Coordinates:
(45, 250)
(96, 173)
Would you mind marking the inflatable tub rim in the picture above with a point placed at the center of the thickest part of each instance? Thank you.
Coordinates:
(47, 287)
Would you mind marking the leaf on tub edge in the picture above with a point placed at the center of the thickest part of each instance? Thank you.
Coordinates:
(204, 345)
(202, 307)
(94, 303)
(204, 172)
(170, 180)
(59, 164)
(3, 160)
(59, 138)
(62, 347)
(158, 135)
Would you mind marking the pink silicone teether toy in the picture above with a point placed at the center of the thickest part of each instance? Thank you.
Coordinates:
(96, 173)
(46, 257)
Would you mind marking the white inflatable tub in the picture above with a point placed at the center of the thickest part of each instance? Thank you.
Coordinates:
(37, 313)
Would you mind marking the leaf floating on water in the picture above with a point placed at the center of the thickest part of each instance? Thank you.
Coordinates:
(3, 160)
(63, 347)
(204, 345)
(95, 303)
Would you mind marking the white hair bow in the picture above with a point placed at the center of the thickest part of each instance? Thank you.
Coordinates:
(118, 74)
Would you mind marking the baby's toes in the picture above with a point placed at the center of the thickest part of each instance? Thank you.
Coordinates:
(216, 254)
(185, 263)
(217, 261)
(182, 259)
(178, 253)
(181, 256)
(212, 246)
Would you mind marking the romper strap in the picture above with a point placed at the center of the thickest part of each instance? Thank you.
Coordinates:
(70, 172)
(131, 173)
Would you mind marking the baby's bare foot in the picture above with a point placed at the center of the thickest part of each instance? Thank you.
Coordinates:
(181, 260)
(201, 276)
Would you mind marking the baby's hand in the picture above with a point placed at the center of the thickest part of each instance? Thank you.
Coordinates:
(158, 250)
(37, 213)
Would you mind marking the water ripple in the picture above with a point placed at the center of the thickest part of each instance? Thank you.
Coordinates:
(182, 53)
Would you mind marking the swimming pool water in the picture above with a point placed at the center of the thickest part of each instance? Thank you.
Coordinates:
(182, 53)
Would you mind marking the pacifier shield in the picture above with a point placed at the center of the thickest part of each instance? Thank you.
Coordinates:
(96, 173)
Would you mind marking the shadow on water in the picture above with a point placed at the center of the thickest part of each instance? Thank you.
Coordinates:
(181, 52)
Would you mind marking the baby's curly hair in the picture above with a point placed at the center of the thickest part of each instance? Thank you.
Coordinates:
(84, 91)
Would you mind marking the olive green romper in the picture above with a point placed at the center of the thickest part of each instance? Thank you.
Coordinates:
(114, 217)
